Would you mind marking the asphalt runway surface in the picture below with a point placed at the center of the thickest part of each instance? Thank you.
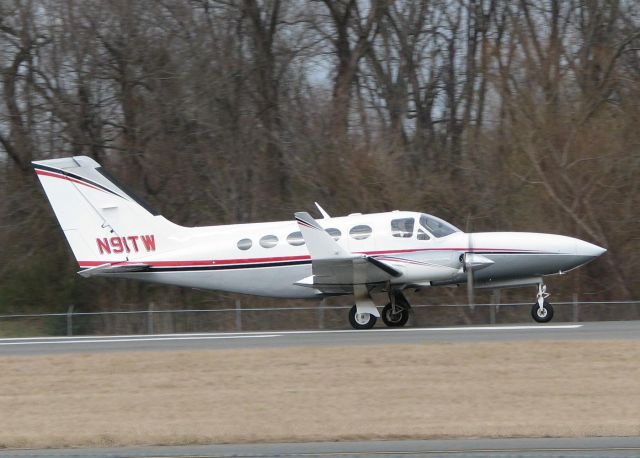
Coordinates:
(544, 447)
(626, 330)
(604, 447)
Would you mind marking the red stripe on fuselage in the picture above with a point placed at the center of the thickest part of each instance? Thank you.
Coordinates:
(470, 250)
(219, 262)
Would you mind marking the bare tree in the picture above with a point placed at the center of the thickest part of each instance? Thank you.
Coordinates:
(516, 115)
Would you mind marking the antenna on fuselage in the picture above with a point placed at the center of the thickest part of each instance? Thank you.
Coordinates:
(322, 212)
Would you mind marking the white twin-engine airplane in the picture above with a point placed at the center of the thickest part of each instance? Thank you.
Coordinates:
(114, 234)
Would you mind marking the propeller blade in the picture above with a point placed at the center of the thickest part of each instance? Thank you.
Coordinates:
(468, 264)
(470, 281)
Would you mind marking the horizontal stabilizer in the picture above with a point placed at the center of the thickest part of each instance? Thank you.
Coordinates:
(307, 282)
(111, 269)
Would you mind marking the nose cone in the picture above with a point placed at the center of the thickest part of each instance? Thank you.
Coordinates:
(588, 250)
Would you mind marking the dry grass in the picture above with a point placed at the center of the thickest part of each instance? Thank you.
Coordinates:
(301, 394)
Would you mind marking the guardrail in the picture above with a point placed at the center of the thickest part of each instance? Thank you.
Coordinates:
(237, 318)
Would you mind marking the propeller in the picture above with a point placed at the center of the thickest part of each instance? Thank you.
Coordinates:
(468, 266)
(472, 261)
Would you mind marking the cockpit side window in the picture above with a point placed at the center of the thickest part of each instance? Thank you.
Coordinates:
(422, 235)
(436, 226)
(402, 227)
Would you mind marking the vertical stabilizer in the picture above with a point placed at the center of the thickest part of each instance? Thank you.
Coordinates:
(102, 222)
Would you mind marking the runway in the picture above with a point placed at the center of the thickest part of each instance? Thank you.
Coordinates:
(625, 330)
(596, 359)
(604, 447)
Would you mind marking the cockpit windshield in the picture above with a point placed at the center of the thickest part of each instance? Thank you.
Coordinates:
(439, 228)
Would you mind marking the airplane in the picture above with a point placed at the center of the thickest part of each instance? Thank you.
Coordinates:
(113, 233)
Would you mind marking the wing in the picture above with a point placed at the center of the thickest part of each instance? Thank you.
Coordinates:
(336, 270)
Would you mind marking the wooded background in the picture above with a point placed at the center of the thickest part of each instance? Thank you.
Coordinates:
(494, 115)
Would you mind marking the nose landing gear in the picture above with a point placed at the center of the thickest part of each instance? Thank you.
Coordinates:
(542, 311)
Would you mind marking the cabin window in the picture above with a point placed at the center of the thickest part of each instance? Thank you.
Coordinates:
(360, 232)
(268, 241)
(295, 239)
(402, 227)
(422, 235)
(245, 244)
(436, 226)
(333, 232)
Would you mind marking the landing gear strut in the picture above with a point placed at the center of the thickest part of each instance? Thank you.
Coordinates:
(396, 312)
(542, 311)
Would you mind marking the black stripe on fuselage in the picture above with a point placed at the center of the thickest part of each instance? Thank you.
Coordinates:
(225, 267)
(76, 177)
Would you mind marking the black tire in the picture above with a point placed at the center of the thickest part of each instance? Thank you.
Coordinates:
(395, 321)
(542, 316)
(360, 322)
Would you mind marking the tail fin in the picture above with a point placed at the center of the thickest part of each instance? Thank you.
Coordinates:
(102, 222)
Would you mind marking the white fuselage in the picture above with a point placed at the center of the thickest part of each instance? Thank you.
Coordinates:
(212, 258)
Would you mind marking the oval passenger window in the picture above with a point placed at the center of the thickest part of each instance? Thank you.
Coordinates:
(360, 232)
(333, 232)
(245, 244)
(268, 241)
(295, 239)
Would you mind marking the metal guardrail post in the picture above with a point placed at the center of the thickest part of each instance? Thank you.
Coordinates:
(321, 315)
(150, 318)
(495, 300)
(238, 315)
(70, 320)
(320, 310)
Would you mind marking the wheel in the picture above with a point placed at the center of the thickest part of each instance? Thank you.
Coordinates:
(398, 319)
(544, 314)
(361, 320)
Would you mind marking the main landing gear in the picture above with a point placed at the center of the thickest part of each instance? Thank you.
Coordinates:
(542, 311)
(394, 314)
(361, 320)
